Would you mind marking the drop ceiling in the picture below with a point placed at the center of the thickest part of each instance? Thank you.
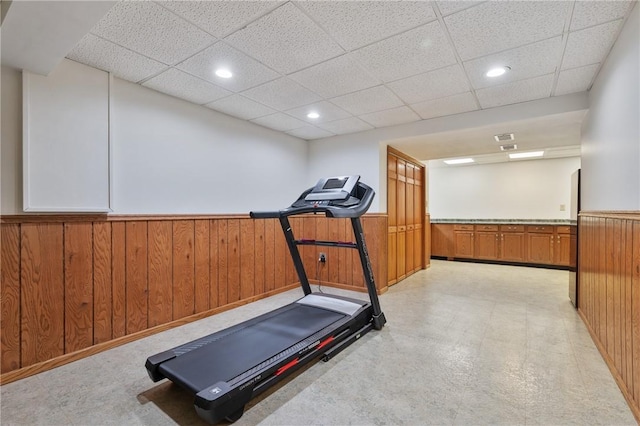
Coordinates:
(359, 64)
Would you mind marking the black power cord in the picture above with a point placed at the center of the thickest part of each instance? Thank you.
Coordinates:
(322, 261)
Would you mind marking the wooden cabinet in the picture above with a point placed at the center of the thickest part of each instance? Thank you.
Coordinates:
(562, 249)
(486, 242)
(406, 216)
(442, 240)
(512, 243)
(540, 244)
(463, 236)
(534, 244)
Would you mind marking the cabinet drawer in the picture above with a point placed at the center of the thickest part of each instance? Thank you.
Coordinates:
(563, 229)
(459, 227)
(543, 229)
(487, 228)
(512, 228)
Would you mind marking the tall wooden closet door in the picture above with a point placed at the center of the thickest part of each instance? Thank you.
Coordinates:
(401, 209)
(392, 247)
(418, 217)
(409, 255)
(406, 215)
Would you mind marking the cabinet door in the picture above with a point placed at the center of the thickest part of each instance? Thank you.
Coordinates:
(417, 247)
(401, 257)
(563, 250)
(486, 245)
(463, 243)
(409, 260)
(441, 240)
(392, 259)
(540, 248)
(512, 246)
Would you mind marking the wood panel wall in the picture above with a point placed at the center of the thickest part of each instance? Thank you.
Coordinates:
(70, 284)
(609, 293)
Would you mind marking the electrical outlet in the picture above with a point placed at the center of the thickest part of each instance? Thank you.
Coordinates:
(322, 258)
(563, 207)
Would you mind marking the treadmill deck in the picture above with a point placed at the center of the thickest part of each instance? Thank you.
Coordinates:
(224, 358)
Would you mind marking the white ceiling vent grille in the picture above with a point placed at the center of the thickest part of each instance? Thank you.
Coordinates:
(505, 137)
(508, 147)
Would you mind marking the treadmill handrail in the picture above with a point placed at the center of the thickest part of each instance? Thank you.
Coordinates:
(330, 211)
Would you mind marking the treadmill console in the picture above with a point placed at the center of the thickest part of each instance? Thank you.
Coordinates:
(333, 188)
(338, 196)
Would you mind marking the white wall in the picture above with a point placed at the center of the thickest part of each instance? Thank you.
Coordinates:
(611, 130)
(11, 142)
(532, 189)
(352, 155)
(172, 157)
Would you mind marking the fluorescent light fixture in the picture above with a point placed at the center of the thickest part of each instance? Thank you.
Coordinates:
(224, 73)
(313, 114)
(530, 154)
(497, 71)
(460, 161)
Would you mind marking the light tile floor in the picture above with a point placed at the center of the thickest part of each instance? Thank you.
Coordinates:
(465, 344)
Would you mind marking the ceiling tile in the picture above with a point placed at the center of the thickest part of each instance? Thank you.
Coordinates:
(282, 94)
(499, 25)
(518, 91)
(576, 79)
(309, 132)
(241, 107)
(357, 23)
(456, 104)
(435, 84)
(247, 72)
(344, 126)
(220, 18)
(391, 117)
(107, 56)
(589, 13)
(589, 46)
(327, 111)
(448, 7)
(527, 61)
(335, 77)
(182, 85)
(422, 49)
(286, 39)
(279, 121)
(368, 100)
(151, 30)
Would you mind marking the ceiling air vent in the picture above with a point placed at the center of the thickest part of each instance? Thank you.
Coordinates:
(508, 147)
(505, 137)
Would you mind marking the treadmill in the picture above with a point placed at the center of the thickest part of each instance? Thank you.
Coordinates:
(226, 369)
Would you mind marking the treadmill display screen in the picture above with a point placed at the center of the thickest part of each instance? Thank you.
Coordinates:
(335, 183)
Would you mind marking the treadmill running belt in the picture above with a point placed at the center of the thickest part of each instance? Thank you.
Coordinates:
(225, 358)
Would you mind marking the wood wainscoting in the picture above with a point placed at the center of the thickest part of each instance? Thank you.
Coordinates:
(609, 293)
(76, 285)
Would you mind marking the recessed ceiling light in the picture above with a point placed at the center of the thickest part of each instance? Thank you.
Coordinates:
(459, 161)
(497, 71)
(530, 154)
(224, 73)
(313, 115)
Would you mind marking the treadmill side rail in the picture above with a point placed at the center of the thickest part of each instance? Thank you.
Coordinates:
(153, 362)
